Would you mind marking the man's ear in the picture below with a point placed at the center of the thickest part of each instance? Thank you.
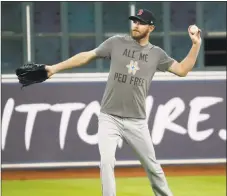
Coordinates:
(152, 27)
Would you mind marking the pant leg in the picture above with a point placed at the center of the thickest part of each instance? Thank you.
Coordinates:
(137, 135)
(108, 139)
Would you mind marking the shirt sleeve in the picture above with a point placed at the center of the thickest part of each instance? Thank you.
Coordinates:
(165, 61)
(104, 49)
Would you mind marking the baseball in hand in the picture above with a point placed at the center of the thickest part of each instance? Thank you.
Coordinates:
(194, 29)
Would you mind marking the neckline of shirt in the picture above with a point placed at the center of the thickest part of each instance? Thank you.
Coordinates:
(147, 45)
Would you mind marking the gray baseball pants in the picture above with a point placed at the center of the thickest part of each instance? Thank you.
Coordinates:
(111, 130)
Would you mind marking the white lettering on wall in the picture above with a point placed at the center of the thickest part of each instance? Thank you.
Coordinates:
(66, 109)
(6, 116)
(164, 118)
(195, 116)
(222, 134)
(84, 120)
(32, 110)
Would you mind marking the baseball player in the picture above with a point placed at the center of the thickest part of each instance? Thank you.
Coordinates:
(133, 62)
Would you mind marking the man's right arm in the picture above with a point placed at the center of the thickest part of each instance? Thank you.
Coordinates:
(102, 51)
(75, 61)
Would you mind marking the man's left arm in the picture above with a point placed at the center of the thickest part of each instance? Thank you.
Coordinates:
(182, 68)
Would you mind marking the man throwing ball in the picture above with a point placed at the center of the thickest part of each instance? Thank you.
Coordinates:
(133, 62)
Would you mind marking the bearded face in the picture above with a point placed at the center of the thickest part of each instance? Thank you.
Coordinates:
(139, 30)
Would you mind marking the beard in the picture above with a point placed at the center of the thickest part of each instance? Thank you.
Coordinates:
(136, 35)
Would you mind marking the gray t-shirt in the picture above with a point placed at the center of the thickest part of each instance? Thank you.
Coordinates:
(131, 71)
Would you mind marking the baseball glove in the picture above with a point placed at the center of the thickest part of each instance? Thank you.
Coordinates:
(31, 73)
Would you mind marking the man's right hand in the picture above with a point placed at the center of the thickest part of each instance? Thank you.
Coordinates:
(50, 70)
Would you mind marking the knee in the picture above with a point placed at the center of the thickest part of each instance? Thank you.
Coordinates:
(107, 162)
(154, 167)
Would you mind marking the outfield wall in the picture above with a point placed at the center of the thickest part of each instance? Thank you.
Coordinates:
(54, 124)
